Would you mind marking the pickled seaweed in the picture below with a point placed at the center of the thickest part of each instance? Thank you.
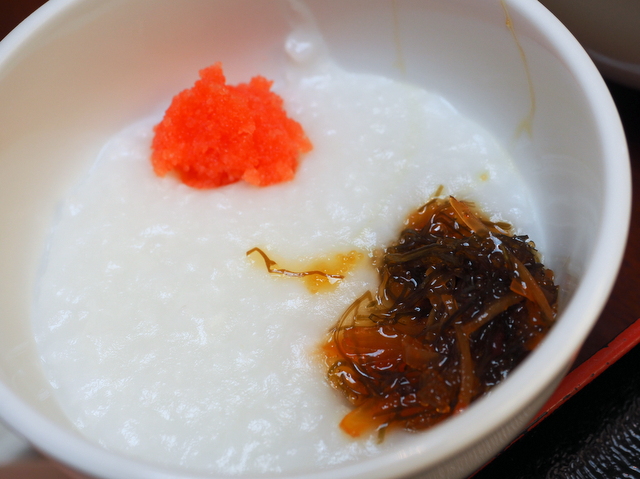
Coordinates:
(461, 303)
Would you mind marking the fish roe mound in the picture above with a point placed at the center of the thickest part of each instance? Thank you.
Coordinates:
(214, 134)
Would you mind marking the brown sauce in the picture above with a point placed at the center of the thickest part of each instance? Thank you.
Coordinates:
(320, 275)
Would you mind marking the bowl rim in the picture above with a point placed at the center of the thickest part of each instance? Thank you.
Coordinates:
(454, 436)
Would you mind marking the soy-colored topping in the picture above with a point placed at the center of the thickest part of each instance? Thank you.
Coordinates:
(460, 304)
(323, 274)
(214, 134)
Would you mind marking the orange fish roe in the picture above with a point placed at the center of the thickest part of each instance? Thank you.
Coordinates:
(214, 134)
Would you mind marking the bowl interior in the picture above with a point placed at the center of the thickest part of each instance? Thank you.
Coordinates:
(77, 72)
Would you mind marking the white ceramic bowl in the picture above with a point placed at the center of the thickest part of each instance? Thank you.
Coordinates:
(78, 71)
(609, 31)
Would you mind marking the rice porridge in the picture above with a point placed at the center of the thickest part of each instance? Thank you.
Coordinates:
(164, 341)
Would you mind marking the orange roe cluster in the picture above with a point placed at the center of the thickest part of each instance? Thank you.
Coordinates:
(214, 134)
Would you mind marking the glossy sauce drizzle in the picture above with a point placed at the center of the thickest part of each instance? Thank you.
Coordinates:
(321, 275)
